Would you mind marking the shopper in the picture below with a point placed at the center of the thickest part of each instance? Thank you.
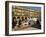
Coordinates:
(14, 22)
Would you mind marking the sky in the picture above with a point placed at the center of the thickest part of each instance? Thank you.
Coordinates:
(33, 8)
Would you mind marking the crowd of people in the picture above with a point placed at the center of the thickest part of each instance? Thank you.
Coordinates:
(19, 21)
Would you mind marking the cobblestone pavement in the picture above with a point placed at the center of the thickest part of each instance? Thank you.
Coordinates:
(24, 28)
